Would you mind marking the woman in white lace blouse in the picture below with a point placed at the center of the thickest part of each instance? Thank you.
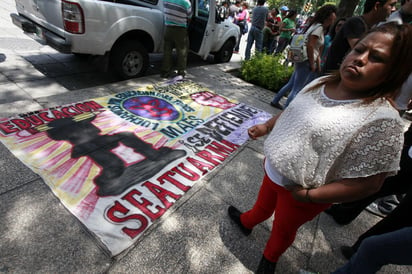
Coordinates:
(336, 142)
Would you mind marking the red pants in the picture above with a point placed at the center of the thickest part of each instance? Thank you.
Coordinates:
(290, 215)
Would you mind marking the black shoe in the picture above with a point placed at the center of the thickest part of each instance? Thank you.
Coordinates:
(234, 214)
(266, 267)
(181, 73)
(386, 208)
(276, 105)
(407, 116)
(347, 251)
(333, 211)
(374, 209)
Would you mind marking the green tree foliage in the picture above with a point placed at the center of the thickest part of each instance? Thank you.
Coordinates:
(292, 4)
(266, 71)
(346, 8)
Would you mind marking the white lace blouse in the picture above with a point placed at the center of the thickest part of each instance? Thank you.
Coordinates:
(318, 140)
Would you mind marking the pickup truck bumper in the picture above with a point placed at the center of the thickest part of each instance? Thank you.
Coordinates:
(42, 35)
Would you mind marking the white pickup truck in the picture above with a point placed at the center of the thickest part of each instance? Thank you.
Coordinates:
(125, 31)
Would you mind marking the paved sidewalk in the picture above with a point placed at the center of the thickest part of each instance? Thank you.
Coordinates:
(195, 236)
(38, 235)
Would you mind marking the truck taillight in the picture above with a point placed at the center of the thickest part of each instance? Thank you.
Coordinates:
(73, 18)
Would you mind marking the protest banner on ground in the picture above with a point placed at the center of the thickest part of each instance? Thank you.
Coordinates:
(119, 162)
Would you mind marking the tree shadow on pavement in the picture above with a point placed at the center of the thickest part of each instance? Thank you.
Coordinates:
(247, 249)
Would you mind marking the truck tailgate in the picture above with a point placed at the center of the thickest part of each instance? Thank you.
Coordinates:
(47, 13)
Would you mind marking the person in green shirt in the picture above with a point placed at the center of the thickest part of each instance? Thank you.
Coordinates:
(287, 29)
(283, 12)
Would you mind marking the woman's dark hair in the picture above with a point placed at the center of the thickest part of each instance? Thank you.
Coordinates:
(290, 14)
(369, 4)
(275, 10)
(332, 32)
(398, 69)
(322, 14)
(261, 2)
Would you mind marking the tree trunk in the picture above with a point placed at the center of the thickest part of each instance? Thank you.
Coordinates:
(346, 8)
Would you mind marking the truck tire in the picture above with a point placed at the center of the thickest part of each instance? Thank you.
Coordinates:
(129, 59)
(225, 53)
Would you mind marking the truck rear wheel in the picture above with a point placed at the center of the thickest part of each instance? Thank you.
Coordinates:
(129, 59)
(225, 53)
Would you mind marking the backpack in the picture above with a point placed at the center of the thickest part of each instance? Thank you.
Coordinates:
(297, 50)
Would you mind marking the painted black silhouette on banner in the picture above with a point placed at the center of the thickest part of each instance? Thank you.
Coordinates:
(114, 177)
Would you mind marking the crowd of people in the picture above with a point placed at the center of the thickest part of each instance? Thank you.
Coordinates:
(326, 48)
(308, 69)
(339, 143)
(275, 31)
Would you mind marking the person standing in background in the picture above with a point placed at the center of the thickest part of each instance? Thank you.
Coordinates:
(224, 11)
(241, 19)
(307, 70)
(401, 183)
(260, 14)
(329, 38)
(234, 10)
(376, 251)
(401, 216)
(374, 11)
(303, 27)
(404, 14)
(271, 31)
(311, 163)
(287, 29)
(384, 243)
(397, 185)
(177, 15)
(404, 100)
(283, 12)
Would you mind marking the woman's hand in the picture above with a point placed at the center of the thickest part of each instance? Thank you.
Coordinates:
(310, 49)
(342, 191)
(312, 66)
(300, 194)
(262, 129)
(257, 131)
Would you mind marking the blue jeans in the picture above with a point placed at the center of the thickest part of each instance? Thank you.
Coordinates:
(255, 34)
(175, 37)
(282, 44)
(273, 45)
(379, 250)
(301, 76)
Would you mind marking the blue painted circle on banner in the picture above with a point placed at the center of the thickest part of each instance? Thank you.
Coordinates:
(151, 108)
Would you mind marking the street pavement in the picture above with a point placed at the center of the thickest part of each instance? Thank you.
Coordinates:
(38, 235)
